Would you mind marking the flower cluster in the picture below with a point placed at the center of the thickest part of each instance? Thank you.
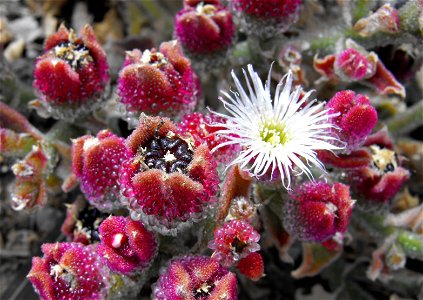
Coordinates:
(178, 188)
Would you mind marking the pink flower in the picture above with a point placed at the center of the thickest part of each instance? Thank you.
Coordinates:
(195, 277)
(96, 162)
(166, 179)
(252, 266)
(351, 65)
(72, 74)
(267, 18)
(317, 211)
(126, 246)
(202, 128)
(68, 271)
(356, 119)
(204, 27)
(233, 241)
(158, 82)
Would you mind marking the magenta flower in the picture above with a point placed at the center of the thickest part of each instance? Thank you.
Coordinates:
(72, 74)
(158, 82)
(317, 211)
(68, 271)
(267, 18)
(202, 128)
(195, 277)
(96, 162)
(167, 181)
(351, 65)
(233, 241)
(356, 118)
(205, 30)
(126, 247)
(383, 177)
(252, 266)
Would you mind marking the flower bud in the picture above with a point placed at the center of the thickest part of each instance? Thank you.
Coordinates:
(317, 211)
(126, 247)
(158, 82)
(356, 119)
(72, 74)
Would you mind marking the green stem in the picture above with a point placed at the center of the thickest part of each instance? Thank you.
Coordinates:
(406, 121)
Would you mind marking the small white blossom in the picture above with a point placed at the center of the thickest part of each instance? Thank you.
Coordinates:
(282, 133)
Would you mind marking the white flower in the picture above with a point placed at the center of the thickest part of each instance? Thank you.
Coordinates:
(276, 133)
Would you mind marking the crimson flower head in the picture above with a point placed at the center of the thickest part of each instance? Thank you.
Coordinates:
(205, 30)
(126, 247)
(252, 266)
(233, 241)
(203, 128)
(195, 277)
(383, 177)
(267, 18)
(351, 65)
(158, 82)
(68, 271)
(317, 211)
(356, 118)
(167, 181)
(96, 162)
(72, 74)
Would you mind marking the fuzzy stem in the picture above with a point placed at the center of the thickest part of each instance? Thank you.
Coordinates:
(407, 120)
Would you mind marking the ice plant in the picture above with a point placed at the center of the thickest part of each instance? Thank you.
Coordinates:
(126, 247)
(167, 181)
(233, 241)
(267, 18)
(356, 118)
(68, 271)
(206, 31)
(276, 136)
(82, 222)
(158, 82)
(252, 266)
(351, 65)
(195, 277)
(96, 162)
(202, 128)
(72, 74)
(317, 211)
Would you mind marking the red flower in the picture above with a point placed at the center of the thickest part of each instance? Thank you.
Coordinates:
(351, 65)
(252, 266)
(68, 271)
(267, 18)
(71, 76)
(96, 162)
(233, 241)
(126, 246)
(195, 277)
(158, 82)
(206, 31)
(317, 211)
(356, 119)
(168, 181)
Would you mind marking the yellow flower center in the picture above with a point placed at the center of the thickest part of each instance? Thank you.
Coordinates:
(274, 133)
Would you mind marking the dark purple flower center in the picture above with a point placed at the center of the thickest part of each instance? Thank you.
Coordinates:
(169, 154)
